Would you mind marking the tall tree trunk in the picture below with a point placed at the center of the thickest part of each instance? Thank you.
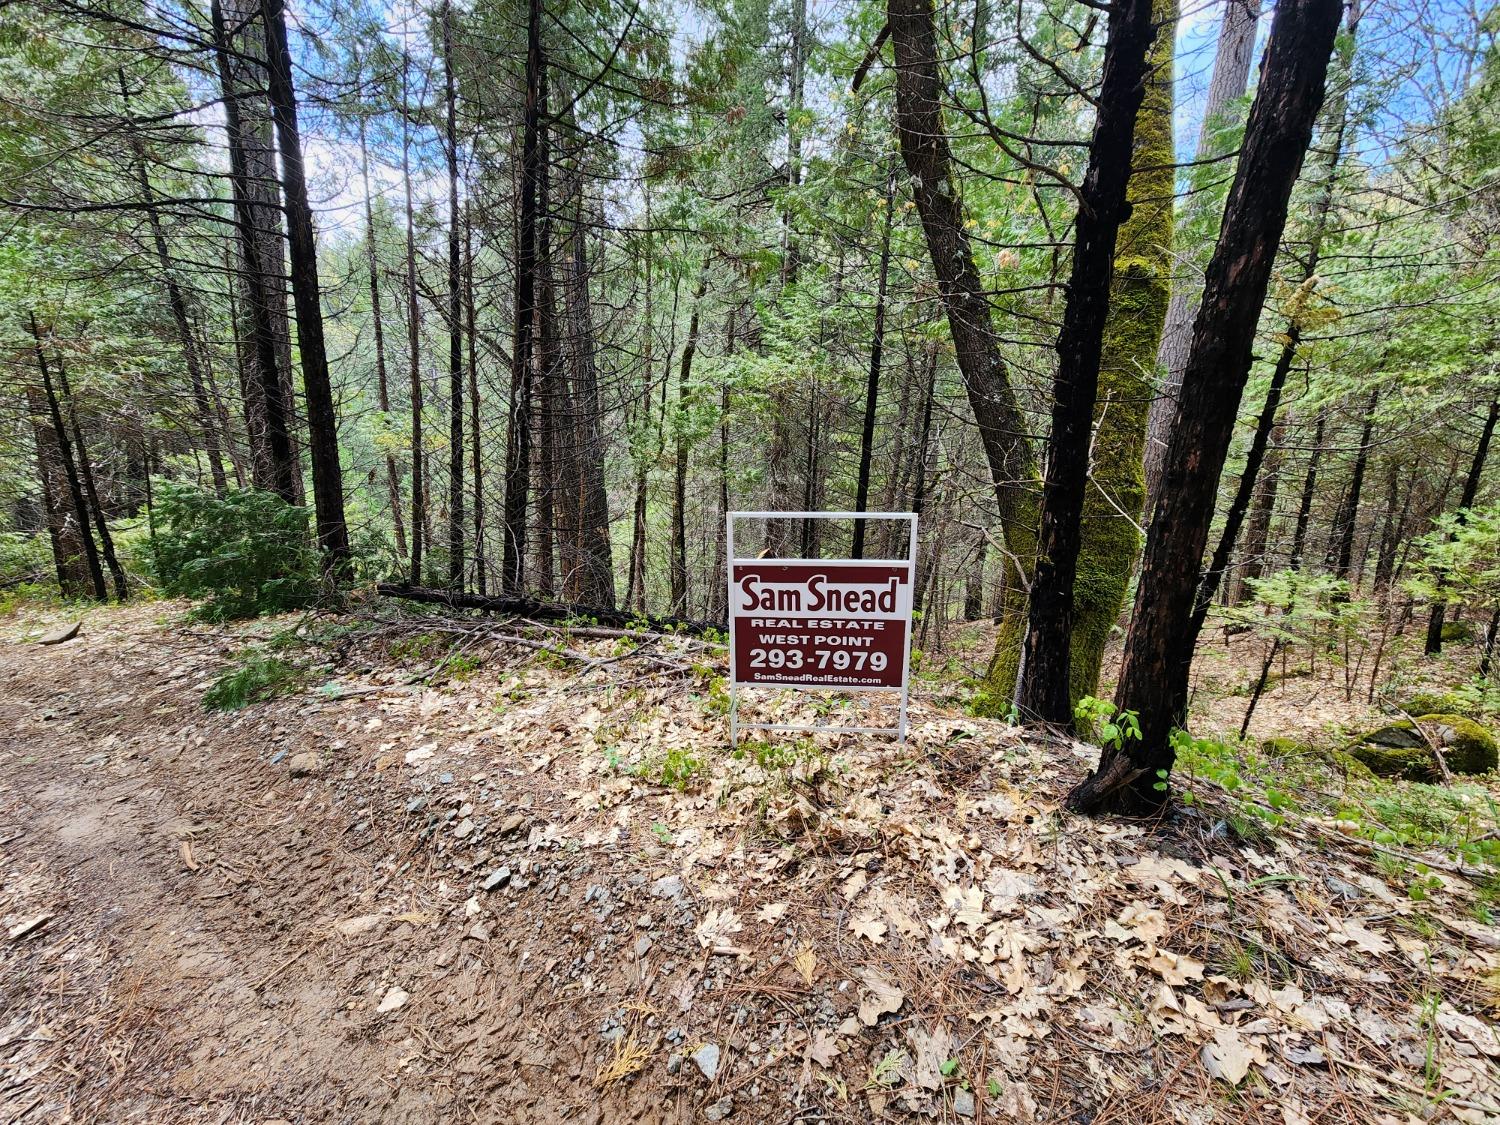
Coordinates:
(1044, 677)
(382, 379)
(678, 571)
(1262, 511)
(455, 320)
(924, 148)
(1465, 502)
(1159, 645)
(64, 529)
(1002, 429)
(546, 370)
(477, 470)
(518, 429)
(322, 423)
(1209, 586)
(1309, 490)
(178, 305)
(1231, 74)
(91, 491)
(872, 384)
(70, 468)
(266, 379)
(597, 581)
(1344, 556)
(1395, 524)
(413, 338)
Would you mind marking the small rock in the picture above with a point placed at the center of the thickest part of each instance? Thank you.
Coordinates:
(674, 1063)
(496, 879)
(720, 1109)
(394, 999)
(278, 757)
(706, 1058)
(963, 1103)
(60, 634)
(445, 778)
(305, 764)
(353, 927)
(465, 829)
(511, 824)
(668, 886)
(416, 804)
(642, 946)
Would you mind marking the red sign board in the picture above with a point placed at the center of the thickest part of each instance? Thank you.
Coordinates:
(835, 624)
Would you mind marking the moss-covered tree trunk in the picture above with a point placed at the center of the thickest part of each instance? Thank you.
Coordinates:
(1132, 335)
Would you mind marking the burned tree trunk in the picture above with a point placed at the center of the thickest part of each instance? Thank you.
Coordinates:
(1160, 642)
(1042, 688)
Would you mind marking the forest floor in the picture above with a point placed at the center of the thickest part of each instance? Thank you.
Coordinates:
(456, 877)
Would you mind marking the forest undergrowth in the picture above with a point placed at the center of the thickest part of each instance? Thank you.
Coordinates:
(546, 886)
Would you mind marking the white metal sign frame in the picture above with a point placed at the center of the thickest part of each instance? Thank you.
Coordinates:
(910, 562)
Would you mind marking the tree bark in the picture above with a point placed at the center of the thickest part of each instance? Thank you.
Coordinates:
(1160, 642)
(924, 148)
(382, 379)
(413, 338)
(177, 303)
(678, 571)
(95, 507)
(70, 468)
(322, 423)
(872, 384)
(64, 530)
(1466, 501)
(518, 429)
(597, 581)
(1043, 680)
(1231, 74)
(266, 372)
(456, 566)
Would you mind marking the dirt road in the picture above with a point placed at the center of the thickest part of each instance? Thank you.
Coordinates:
(204, 944)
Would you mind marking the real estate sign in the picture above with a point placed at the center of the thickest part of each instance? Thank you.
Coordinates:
(840, 624)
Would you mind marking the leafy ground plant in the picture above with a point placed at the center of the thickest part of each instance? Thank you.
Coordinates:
(256, 678)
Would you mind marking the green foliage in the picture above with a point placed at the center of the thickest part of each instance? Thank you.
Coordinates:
(256, 677)
(24, 558)
(1110, 727)
(247, 553)
(679, 767)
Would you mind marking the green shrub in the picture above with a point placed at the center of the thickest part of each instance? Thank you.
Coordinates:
(256, 678)
(24, 558)
(247, 552)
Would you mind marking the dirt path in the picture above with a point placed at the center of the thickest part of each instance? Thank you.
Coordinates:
(488, 901)
(211, 951)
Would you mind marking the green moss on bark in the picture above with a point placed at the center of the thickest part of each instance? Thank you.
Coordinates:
(1127, 376)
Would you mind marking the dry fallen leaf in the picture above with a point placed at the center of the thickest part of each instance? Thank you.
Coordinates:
(930, 1051)
(185, 850)
(716, 927)
(823, 1048)
(29, 925)
(870, 928)
(884, 996)
(806, 962)
(1227, 1056)
(771, 912)
(1174, 967)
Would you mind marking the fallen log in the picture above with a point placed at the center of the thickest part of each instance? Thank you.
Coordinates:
(546, 611)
